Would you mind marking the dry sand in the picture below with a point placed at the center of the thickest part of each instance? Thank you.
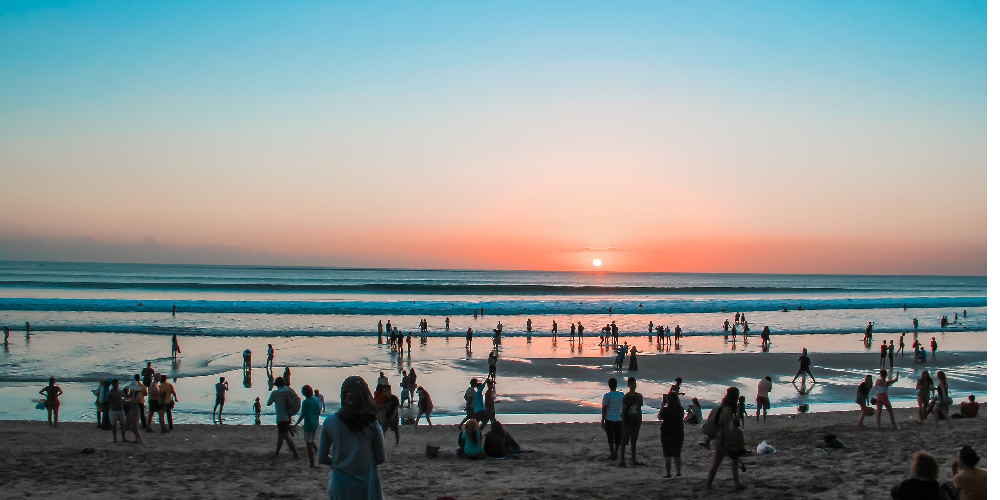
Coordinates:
(568, 461)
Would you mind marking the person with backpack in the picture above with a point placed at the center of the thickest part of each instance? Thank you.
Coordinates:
(283, 403)
(631, 420)
(718, 429)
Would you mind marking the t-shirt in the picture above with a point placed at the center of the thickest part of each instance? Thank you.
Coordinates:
(310, 414)
(470, 393)
(278, 399)
(632, 407)
(613, 402)
(391, 404)
(763, 387)
(478, 404)
(971, 484)
(115, 400)
(220, 390)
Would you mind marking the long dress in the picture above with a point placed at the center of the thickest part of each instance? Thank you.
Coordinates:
(633, 363)
(354, 458)
(671, 431)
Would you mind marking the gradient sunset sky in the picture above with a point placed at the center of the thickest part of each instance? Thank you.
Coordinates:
(794, 137)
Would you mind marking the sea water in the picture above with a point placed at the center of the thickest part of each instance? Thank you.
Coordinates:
(87, 323)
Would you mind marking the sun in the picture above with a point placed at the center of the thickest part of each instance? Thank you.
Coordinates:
(597, 262)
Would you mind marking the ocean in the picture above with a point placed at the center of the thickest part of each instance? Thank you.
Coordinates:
(87, 322)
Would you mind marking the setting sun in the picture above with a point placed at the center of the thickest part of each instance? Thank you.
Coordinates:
(597, 262)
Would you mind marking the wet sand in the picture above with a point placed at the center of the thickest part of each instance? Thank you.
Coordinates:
(567, 461)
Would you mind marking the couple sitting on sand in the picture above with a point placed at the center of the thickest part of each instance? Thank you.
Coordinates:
(498, 444)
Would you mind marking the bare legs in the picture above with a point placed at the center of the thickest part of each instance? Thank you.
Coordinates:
(878, 415)
(677, 461)
(720, 453)
(283, 437)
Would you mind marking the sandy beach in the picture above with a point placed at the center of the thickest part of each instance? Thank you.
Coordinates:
(566, 461)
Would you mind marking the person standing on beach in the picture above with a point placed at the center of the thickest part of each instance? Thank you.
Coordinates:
(804, 363)
(900, 345)
(116, 410)
(288, 376)
(631, 420)
(269, 364)
(310, 413)
(321, 399)
(861, 398)
(611, 417)
(492, 362)
(137, 387)
(579, 331)
(470, 408)
(279, 398)
(934, 347)
(352, 443)
(135, 416)
(671, 430)
(175, 347)
(763, 401)
(555, 328)
(246, 359)
(447, 323)
(479, 404)
(915, 325)
(892, 351)
(633, 362)
(256, 411)
(404, 388)
(882, 398)
(390, 412)
(153, 391)
(942, 401)
(468, 339)
(884, 353)
(490, 401)
(529, 325)
(924, 385)
(220, 398)
(52, 393)
(168, 396)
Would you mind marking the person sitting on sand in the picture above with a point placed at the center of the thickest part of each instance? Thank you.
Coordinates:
(923, 481)
(470, 441)
(498, 443)
(967, 409)
(939, 407)
(861, 398)
(970, 481)
(52, 393)
(882, 398)
(352, 443)
(671, 431)
(693, 415)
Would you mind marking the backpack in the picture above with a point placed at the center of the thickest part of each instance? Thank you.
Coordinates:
(710, 427)
(293, 403)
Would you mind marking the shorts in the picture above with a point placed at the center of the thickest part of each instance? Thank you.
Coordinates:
(220, 401)
(284, 426)
(631, 430)
(154, 405)
(763, 403)
(391, 424)
(117, 417)
(309, 437)
(482, 416)
(881, 400)
(613, 428)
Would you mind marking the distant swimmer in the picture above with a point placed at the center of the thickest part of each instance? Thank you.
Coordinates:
(801, 309)
(27, 328)
(610, 310)
(140, 304)
(784, 309)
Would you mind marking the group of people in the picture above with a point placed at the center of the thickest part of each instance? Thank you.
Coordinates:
(123, 408)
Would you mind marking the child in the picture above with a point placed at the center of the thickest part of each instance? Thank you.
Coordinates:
(741, 410)
(256, 412)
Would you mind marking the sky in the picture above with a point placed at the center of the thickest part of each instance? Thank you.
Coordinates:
(786, 137)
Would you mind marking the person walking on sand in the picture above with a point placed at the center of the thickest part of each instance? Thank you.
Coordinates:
(468, 339)
(555, 329)
(804, 363)
(52, 393)
(424, 407)
(861, 398)
(934, 347)
(611, 417)
(470, 406)
(631, 420)
(220, 398)
(882, 398)
(763, 401)
(175, 347)
(720, 442)
(351, 442)
(671, 416)
(279, 398)
(310, 413)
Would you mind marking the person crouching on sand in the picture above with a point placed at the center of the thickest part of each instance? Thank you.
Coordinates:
(352, 443)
